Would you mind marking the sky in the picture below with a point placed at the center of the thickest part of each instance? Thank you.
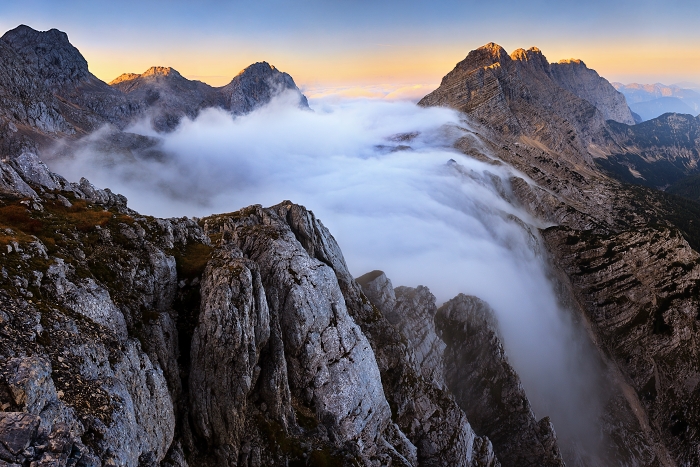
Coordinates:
(369, 47)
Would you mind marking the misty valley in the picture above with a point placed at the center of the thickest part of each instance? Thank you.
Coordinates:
(505, 273)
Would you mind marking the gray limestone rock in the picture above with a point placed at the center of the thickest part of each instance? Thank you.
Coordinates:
(12, 185)
(86, 298)
(414, 316)
(330, 363)
(234, 326)
(427, 415)
(32, 169)
(477, 372)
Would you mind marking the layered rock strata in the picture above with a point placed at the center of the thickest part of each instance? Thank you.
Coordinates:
(521, 96)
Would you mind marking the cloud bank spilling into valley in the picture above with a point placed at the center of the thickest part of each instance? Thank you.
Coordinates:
(382, 176)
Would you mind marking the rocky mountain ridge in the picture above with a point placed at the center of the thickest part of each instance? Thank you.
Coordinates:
(169, 96)
(48, 93)
(522, 96)
(625, 256)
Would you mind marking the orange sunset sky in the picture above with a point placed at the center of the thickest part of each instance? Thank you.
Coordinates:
(369, 48)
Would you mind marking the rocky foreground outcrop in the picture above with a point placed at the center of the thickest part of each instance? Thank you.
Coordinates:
(239, 339)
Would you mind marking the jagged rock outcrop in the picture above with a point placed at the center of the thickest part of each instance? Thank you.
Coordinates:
(427, 427)
(467, 358)
(488, 389)
(414, 317)
(330, 365)
(233, 328)
(428, 415)
(421, 407)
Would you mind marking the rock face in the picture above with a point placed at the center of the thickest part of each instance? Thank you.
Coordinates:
(488, 389)
(520, 96)
(169, 96)
(457, 349)
(574, 76)
(640, 292)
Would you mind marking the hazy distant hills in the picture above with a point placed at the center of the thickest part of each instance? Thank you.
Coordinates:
(652, 100)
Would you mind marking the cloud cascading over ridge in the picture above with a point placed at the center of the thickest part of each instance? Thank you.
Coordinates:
(383, 177)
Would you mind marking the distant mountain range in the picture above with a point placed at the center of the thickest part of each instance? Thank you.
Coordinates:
(653, 100)
(49, 93)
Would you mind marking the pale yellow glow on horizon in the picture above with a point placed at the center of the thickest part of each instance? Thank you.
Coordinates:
(402, 67)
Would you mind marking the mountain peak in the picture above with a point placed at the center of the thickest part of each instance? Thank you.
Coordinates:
(154, 71)
(257, 84)
(24, 33)
(492, 50)
(124, 77)
(531, 54)
(161, 71)
(258, 68)
(492, 46)
(50, 53)
(572, 61)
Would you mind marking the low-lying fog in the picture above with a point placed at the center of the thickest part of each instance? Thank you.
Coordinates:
(377, 174)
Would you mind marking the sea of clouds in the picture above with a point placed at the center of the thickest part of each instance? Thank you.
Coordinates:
(385, 180)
